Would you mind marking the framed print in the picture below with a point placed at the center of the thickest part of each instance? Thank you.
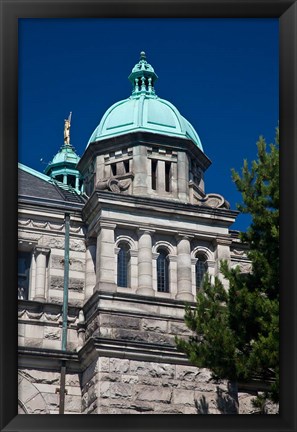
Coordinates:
(126, 209)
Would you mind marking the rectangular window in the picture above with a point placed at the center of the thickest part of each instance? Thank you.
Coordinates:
(154, 174)
(167, 176)
(113, 169)
(24, 263)
(123, 266)
(126, 165)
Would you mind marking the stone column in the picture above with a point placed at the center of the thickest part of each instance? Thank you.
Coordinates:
(133, 269)
(161, 177)
(183, 176)
(100, 168)
(193, 269)
(172, 274)
(145, 258)
(140, 170)
(90, 275)
(184, 271)
(32, 278)
(174, 179)
(41, 254)
(105, 262)
(211, 270)
(222, 253)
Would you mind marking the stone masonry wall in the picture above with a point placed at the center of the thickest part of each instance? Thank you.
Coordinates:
(136, 328)
(37, 392)
(123, 386)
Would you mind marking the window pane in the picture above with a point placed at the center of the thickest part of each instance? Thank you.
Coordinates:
(201, 268)
(162, 271)
(24, 262)
(123, 266)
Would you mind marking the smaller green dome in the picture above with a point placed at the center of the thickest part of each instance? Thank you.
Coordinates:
(65, 155)
(63, 165)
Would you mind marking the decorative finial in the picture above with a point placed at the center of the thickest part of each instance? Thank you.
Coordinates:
(143, 78)
(67, 124)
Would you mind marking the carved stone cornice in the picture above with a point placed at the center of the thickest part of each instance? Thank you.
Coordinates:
(41, 250)
(143, 230)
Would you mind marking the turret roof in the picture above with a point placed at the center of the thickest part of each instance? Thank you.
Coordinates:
(144, 111)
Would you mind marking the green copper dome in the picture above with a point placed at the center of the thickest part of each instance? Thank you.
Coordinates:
(144, 111)
(63, 165)
(66, 155)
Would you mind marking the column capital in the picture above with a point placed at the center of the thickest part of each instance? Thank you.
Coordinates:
(107, 225)
(185, 236)
(133, 252)
(41, 250)
(155, 255)
(172, 258)
(143, 230)
(211, 263)
(224, 241)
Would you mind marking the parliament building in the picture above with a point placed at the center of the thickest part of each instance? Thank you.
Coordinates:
(112, 245)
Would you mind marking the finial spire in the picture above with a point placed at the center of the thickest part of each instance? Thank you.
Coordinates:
(67, 124)
(143, 78)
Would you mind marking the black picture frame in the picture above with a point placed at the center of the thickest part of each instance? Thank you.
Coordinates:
(11, 11)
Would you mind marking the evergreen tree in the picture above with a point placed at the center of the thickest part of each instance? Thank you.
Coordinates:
(236, 331)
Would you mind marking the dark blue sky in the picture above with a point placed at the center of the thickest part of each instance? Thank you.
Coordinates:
(221, 74)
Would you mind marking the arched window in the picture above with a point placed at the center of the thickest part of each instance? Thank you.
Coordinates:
(163, 271)
(201, 269)
(24, 264)
(123, 265)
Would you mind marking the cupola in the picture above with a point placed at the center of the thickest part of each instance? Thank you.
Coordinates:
(144, 111)
(63, 165)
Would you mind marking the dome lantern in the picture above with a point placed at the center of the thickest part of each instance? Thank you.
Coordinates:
(143, 77)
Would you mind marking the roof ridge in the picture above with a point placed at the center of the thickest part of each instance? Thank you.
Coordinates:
(34, 172)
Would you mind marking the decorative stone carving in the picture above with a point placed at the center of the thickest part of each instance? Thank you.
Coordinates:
(238, 252)
(214, 201)
(245, 267)
(115, 184)
(43, 316)
(31, 223)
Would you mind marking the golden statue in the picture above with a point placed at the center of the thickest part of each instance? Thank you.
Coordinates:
(67, 124)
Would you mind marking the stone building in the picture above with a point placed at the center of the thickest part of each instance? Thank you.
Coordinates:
(111, 246)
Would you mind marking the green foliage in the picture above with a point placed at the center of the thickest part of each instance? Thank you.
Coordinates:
(236, 332)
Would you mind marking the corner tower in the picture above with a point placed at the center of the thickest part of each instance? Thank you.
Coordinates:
(144, 146)
(147, 211)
